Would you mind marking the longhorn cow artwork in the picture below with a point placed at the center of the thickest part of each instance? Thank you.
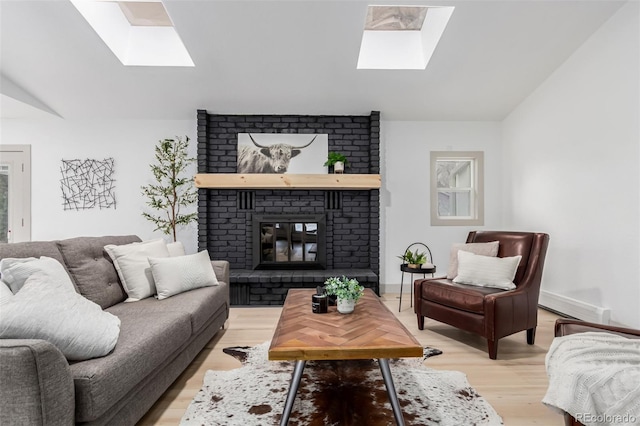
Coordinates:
(281, 153)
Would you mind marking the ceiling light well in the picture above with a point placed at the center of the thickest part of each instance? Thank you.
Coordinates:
(386, 48)
(149, 41)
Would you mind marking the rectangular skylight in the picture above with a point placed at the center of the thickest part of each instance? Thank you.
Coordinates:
(402, 37)
(137, 32)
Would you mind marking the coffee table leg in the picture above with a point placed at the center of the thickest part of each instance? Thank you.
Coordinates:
(293, 389)
(391, 390)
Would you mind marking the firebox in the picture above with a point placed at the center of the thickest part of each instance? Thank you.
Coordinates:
(289, 242)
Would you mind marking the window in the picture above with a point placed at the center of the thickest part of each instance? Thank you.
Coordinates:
(15, 193)
(457, 188)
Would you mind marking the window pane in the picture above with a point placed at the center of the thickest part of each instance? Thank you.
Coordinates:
(454, 203)
(454, 174)
(457, 188)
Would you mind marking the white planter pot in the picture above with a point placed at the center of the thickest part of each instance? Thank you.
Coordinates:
(338, 167)
(346, 306)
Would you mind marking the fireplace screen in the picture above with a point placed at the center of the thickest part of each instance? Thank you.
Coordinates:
(289, 242)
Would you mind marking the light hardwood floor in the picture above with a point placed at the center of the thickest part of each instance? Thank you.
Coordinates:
(514, 384)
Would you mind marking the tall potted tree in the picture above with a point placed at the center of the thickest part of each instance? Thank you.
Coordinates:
(172, 191)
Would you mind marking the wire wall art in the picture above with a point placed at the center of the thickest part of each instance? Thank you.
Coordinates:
(88, 184)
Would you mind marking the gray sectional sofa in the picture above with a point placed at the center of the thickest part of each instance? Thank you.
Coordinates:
(158, 340)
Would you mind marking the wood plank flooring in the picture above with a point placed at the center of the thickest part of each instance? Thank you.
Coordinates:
(513, 384)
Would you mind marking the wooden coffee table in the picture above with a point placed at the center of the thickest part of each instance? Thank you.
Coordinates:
(371, 331)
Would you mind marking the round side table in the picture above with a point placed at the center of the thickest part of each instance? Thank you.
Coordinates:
(406, 269)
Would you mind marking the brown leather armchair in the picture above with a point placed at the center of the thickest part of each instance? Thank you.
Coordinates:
(489, 312)
(570, 326)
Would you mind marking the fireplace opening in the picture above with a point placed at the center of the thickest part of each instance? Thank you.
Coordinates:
(289, 242)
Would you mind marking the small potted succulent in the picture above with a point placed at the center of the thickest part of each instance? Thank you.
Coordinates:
(336, 162)
(346, 290)
(414, 259)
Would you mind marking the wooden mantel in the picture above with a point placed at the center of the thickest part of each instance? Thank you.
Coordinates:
(284, 181)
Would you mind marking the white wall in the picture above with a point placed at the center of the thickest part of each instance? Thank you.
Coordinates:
(404, 197)
(571, 152)
(130, 142)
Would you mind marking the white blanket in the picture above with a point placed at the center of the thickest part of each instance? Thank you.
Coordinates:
(595, 377)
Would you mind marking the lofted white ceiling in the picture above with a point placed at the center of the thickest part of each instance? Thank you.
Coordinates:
(289, 57)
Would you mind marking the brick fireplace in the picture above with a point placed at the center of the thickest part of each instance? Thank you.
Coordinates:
(227, 218)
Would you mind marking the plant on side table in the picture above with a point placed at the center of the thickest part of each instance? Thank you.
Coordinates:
(172, 191)
(414, 259)
(346, 290)
(336, 162)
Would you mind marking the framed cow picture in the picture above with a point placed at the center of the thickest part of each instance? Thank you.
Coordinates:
(282, 153)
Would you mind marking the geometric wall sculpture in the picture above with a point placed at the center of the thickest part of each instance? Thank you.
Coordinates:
(88, 184)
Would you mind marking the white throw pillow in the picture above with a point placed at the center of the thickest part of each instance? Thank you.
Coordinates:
(46, 309)
(5, 295)
(175, 275)
(484, 249)
(15, 271)
(175, 248)
(131, 262)
(486, 271)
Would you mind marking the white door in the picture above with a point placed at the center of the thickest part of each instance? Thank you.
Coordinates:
(15, 193)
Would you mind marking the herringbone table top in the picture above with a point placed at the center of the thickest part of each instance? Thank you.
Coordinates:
(371, 331)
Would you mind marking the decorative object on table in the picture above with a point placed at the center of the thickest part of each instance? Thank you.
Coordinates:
(172, 190)
(87, 184)
(336, 162)
(346, 290)
(337, 392)
(319, 301)
(291, 153)
(414, 259)
(415, 262)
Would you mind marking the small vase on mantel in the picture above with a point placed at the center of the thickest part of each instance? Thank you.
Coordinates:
(346, 306)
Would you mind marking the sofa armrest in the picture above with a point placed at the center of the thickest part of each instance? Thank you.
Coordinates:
(36, 384)
(565, 326)
(221, 268)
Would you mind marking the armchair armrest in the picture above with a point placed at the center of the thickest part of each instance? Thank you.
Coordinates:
(221, 268)
(565, 326)
(37, 387)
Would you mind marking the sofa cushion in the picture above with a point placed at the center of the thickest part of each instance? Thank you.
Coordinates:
(460, 296)
(91, 268)
(147, 340)
(197, 304)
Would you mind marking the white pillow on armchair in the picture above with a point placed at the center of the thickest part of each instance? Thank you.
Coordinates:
(487, 271)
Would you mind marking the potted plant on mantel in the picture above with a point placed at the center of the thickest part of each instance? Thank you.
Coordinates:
(346, 290)
(414, 259)
(336, 162)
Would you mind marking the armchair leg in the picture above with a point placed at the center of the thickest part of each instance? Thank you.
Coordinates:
(420, 322)
(531, 336)
(493, 348)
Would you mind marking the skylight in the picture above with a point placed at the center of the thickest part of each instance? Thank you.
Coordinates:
(137, 32)
(401, 37)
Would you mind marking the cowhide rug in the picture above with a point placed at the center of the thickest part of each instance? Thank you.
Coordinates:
(335, 393)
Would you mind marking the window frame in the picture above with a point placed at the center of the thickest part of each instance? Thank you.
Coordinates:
(476, 190)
